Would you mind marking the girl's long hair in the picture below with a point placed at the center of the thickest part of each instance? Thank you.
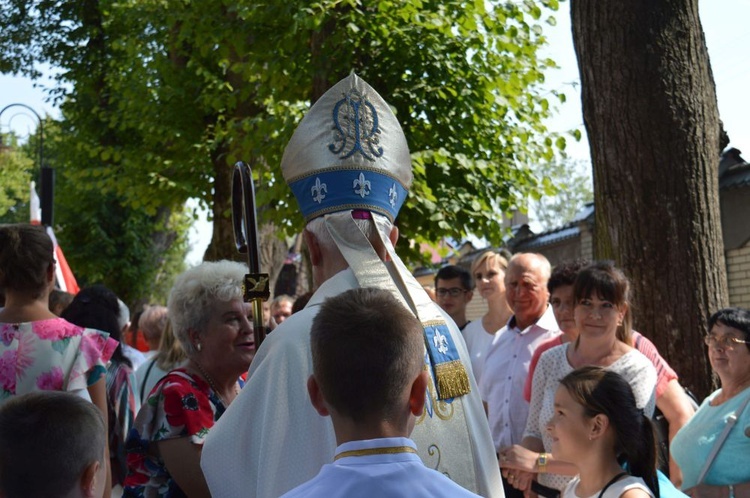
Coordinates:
(602, 391)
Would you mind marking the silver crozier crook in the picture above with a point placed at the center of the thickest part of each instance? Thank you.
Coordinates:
(244, 220)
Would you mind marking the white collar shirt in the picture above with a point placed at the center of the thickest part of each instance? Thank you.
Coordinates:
(375, 468)
(506, 367)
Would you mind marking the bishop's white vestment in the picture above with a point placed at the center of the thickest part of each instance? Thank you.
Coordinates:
(271, 439)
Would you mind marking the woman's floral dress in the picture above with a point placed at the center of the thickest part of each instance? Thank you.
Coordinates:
(180, 405)
(51, 355)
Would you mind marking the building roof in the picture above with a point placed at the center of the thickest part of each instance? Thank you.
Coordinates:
(549, 237)
(734, 172)
(570, 230)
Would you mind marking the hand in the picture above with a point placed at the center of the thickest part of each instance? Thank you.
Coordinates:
(519, 458)
(519, 479)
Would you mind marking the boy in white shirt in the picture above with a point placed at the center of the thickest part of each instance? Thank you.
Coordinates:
(369, 377)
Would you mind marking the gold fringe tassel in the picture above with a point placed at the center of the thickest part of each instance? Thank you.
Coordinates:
(452, 379)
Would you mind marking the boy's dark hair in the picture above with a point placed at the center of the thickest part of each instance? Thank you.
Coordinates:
(452, 271)
(366, 347)
(48, 439)
(565, 273)
(301, 302)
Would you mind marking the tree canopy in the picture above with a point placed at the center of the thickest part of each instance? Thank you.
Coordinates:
(574, 183)
(159, 99)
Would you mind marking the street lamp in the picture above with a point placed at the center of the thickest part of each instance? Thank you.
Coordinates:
(47, 175)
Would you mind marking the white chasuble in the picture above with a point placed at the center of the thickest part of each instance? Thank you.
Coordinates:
(271, 440)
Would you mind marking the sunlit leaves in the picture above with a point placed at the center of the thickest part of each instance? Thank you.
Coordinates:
(182, 89)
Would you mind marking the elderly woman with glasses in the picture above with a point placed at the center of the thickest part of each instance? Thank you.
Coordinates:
(721, 426)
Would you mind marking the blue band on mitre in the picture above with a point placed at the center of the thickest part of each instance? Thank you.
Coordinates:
(338, 189)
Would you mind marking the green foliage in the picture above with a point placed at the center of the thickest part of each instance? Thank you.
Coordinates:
(569, 186)
(15, 176)
(162, 97)
(133, 252)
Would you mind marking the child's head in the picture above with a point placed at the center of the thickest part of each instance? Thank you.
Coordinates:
(52, 446)
(368, 353)
(596, 406)
(604, 281)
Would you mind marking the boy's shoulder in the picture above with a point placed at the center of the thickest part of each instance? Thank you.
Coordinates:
(373, 474)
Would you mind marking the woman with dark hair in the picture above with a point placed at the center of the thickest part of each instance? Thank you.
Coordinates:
(38, 350)
(601, 296)
(97, 307)
(598, 425)
(674, 406)
(712, 448)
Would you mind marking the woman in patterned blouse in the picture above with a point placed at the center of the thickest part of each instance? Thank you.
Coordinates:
(213, 324)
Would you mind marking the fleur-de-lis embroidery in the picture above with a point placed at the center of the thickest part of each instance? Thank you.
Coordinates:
(392, 196)
(441, 343)
(319, 191)
(361, 186)
(355, 122)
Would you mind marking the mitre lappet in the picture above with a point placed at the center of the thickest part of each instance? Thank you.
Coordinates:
(349, 159)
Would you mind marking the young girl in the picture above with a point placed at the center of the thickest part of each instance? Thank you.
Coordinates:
(597, 425)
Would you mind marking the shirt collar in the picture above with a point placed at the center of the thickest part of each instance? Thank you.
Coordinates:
(546, 322)
(378, 449)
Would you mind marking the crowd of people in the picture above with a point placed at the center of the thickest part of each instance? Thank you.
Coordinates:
(366, 387)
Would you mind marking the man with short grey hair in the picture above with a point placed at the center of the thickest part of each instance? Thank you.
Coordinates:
(507, 361)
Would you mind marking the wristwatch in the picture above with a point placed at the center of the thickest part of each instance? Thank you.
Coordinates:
(541, 462)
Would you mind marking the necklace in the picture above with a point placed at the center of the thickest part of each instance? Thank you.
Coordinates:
(213, 386)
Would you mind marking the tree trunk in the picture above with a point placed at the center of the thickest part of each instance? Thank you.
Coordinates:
(650, 110)
(222, 239)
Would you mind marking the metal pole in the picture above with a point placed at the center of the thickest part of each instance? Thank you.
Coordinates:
(47, 179)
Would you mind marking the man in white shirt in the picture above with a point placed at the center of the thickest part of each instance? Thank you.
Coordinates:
(507, 361)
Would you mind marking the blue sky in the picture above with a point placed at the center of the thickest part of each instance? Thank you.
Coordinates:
(725, 26)
(724, 23)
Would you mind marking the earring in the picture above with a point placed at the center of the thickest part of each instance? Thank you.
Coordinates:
(199, 346)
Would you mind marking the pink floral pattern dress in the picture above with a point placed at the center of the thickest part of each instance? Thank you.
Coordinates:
(51, 355)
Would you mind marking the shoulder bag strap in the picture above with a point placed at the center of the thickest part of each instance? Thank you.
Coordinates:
(145, 378)
(731, 420)
(611, 482)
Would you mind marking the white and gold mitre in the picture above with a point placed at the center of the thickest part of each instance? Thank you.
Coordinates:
(349, 152)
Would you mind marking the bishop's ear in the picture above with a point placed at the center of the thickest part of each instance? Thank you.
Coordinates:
(312, 246)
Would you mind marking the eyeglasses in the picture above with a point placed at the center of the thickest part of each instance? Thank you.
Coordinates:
(453, 291)
(723, 342)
